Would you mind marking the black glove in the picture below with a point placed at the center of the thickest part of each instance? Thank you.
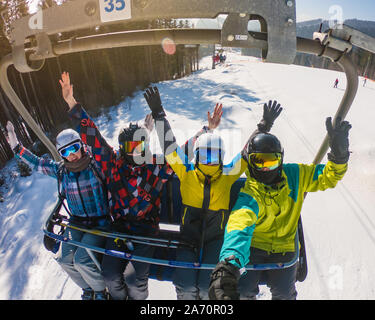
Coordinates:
(224, 281)
(338, 140)
(51, 244)
(270, 113)
(152, 97)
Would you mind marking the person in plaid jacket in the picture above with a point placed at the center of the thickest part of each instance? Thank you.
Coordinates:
(135, 179)
(80, 183)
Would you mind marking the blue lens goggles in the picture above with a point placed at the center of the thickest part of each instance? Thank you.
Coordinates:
(208, 156)
(70, 149)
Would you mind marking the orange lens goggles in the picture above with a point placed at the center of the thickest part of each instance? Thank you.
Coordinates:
(131, 146)
(265, 160)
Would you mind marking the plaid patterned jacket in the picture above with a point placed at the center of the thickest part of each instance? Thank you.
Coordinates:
(135, 190)
(83, 191)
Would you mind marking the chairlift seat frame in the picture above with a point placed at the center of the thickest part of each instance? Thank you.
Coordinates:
(163, 262)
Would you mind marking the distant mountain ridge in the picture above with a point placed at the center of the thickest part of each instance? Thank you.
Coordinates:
(306, 29)
(364, 60)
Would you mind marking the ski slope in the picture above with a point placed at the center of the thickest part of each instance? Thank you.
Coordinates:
(339, 224)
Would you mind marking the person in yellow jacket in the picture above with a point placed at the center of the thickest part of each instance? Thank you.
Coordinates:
(205, 190)
(263, 222)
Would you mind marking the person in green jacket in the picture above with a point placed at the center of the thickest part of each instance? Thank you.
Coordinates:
(205, 186)
(263, 222)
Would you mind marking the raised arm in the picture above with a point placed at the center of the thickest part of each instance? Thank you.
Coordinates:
(213, 122)
(271, 111)
(41, 165)
(163, 129)
(270, 114)
(67, 90)
(321, 177)
(81, 121)
(174, 155)
(240, 162)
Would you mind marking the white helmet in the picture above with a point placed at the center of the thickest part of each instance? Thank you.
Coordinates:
(209, 148)
(66, 138)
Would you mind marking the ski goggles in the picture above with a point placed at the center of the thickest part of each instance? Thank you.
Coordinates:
(268, 161)
(131, 146)
(73, 148)
(208, 156)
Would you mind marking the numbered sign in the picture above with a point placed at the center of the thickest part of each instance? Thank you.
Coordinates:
(113, 10)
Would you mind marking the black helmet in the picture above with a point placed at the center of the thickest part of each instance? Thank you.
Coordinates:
(127, 134)
(265, 143)
(133, 132)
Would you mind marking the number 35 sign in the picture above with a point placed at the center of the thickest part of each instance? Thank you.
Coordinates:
(113, 10)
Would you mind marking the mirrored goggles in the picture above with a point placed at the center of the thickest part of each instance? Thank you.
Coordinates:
(73, 148)
(208, 156)
(131, 146)
(268, 161)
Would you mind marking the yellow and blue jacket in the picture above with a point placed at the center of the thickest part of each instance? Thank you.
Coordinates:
(193, 192)
(192, 188)
(266, 218)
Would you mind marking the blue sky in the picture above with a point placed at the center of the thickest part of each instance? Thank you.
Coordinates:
(312, 9)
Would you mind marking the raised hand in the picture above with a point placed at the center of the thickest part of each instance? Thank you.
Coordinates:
(338, 140)
(270, 113)
(214, 120)
(67, 89)
(152, 97)
(13, 141)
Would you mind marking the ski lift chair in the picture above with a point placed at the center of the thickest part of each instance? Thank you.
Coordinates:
(32, 45)
(171, 208)
(167, 242)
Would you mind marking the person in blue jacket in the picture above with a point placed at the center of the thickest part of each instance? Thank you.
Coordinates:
(80, 183)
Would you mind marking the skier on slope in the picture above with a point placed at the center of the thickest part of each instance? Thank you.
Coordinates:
(81, 183)
(135, 180)
(205, 191)
(263, 223)
(336, 83)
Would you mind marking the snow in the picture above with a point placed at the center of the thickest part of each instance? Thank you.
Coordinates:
(339, 224)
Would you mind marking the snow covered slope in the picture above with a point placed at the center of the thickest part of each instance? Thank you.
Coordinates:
(339, 224)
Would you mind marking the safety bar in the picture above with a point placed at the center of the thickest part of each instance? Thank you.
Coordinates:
(17, 103)
(170, 263)
(347, 65)
(55, 220)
